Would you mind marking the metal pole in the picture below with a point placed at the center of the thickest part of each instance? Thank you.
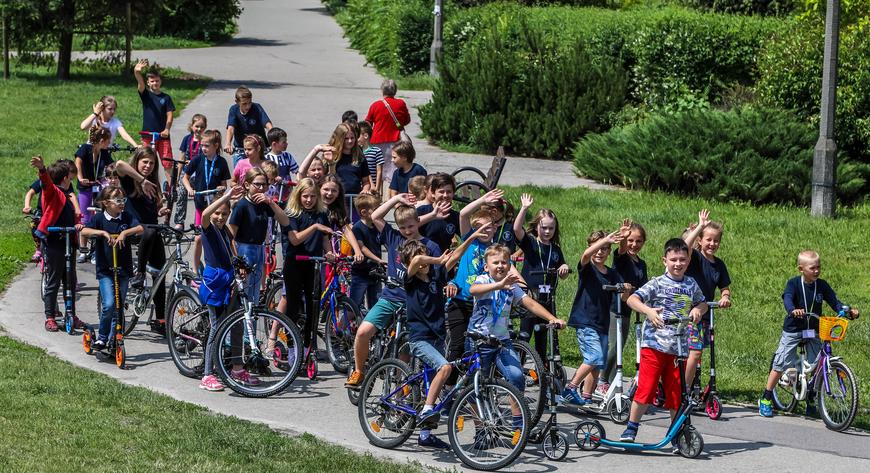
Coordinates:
(825, 154)
(435, 50)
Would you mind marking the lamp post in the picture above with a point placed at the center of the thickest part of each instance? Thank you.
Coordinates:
(435, 50)
(825, 153)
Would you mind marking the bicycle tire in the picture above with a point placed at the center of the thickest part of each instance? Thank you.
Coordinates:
(187, 328)
(134, 309)
(784, 395)
(339, 340)
(535, 394)
(256, 362)
(494, 441)
(378, 419)
(838, 409)
(272, 296)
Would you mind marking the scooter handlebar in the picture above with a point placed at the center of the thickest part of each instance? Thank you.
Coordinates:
(62, 229)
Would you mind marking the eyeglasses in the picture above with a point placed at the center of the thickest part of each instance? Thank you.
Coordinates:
(116, 201)
(260, 185)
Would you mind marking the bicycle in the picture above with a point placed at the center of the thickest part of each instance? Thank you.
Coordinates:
(139, 300)
(828, 377)
(481, 426)
(115, 346)
(339, 314)
(241, 340)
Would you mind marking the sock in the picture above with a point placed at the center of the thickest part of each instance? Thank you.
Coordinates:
(518, 422)
(425, 434)
(427, 408)
(767, 395)
(571, 386)
(633, 425)
(587, 396)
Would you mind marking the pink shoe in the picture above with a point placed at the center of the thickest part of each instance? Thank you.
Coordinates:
(243, 376)
(37, 255)
(211, 383)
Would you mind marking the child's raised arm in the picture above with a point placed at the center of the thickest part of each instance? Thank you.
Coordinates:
(526, 201)
(451, 258)
(626, 231)
(231, 194)
(537, 309)
(137, 72)
(491, 197)
(89, 120)
(28, 197)
(440, 211)
(694, 233)
(124, 169)
(306, 163)
(614, 237)
(382, 211)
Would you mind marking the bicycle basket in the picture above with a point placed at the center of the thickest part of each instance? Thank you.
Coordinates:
(832, 329)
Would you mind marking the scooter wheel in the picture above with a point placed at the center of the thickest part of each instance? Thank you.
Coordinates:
(713, 407)
(588, 435)
(619, 416)
(312, 368)
(555, 445)
(120, 356)
(87, 341)
(689, 442)
(68, 324)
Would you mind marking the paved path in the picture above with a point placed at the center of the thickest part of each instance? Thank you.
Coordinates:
(305, 74)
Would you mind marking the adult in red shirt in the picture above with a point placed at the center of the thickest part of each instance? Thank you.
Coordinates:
(387, 127)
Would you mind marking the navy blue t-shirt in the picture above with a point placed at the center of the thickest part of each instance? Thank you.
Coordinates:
(190, 147)
(216, 250)
(505, 236)
(591, 306)
(798, 295)
(440, 231)
(632, 272)
(206, 175)
(143, 208)
(352, 177)
(252, 221)
(395, 269)
(540, 257)
(114, 226)
(425, 306)
(154, 110)
(313, 246)
(371, 239)
(251, 123)
(37, 187)
(90, 169)
(401, 178)
(709, 275)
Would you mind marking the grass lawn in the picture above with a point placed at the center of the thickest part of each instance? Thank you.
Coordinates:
(760, 247)
(145, 43)
(42, 116)
(68, 419)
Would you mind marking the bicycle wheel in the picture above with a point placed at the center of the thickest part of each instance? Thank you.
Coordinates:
(187, 333)
(535, 393)
(241, 358)
(340, 332)
(386, 404)
(135, 308)
(839, 399)
(784, 398)
(272, 296)
(485, 433)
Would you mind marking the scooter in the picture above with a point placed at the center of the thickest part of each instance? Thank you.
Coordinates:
(69, 290)
(554, 442)
(709, 398)
(115, 347)
(590, 435)
(614, 402)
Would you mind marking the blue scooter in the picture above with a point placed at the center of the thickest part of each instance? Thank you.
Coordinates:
(590, 435)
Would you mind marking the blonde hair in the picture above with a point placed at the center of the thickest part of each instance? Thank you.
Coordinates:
(482, 214)
(294, 205)
(496, 249)
(403, 213)
(337, 142)
(213, 137)
(417, 187)
(807, 257)
(366, 201)
(270, 168)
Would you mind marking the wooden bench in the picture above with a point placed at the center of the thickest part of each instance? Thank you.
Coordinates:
(472, 183)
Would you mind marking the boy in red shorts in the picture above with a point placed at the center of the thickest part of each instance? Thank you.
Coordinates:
(157, 109)
(672, 295)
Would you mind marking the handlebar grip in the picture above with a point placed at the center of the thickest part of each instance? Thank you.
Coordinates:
(713, 304)
(674, 321)
(614, 287)
(309, 258)
(208, 192)
(61, 229)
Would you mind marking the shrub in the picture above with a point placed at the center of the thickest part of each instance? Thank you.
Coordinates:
(749, 154)
(747, 7)
(414, 39)
(206, 20)
(791, 78)
(536, 99)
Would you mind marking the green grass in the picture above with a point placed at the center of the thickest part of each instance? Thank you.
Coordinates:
(418, 81)
(41, 115)
(68, 419)
(760, 247)
(145, 43)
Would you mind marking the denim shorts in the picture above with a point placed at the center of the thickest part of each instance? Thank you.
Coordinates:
(593, 345)
(787, 352)
(432, 355)
(382, 313)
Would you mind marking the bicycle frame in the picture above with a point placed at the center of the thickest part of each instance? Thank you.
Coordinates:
(473, 363)
(176, 260)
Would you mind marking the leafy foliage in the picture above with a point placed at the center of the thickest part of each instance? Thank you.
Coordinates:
(748, 154)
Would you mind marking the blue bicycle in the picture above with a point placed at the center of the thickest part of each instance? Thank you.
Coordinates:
(488, 422)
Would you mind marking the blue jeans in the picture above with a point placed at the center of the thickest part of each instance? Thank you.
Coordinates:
(107, 293)
(593, 346)
(255, 256)
(238, 155)
(507, 361)
(362, 287)
(431, 354)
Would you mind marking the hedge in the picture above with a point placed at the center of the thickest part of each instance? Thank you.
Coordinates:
(747, 154)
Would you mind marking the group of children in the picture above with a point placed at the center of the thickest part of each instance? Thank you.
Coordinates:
(445, 291)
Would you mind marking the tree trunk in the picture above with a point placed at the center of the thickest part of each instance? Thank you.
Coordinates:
(67, 18)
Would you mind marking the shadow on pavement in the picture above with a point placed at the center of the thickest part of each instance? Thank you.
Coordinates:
(247, 41)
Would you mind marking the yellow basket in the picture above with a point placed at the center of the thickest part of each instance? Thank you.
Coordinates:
(832, 329)
(346, 249)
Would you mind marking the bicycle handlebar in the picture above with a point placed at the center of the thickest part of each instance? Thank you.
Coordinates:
(62, 229)
(549, 271)
(208, 192)
(486, 339)
(114, 147)
(320, 259)
(619, 288)
(167, 228)
(539, 327)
